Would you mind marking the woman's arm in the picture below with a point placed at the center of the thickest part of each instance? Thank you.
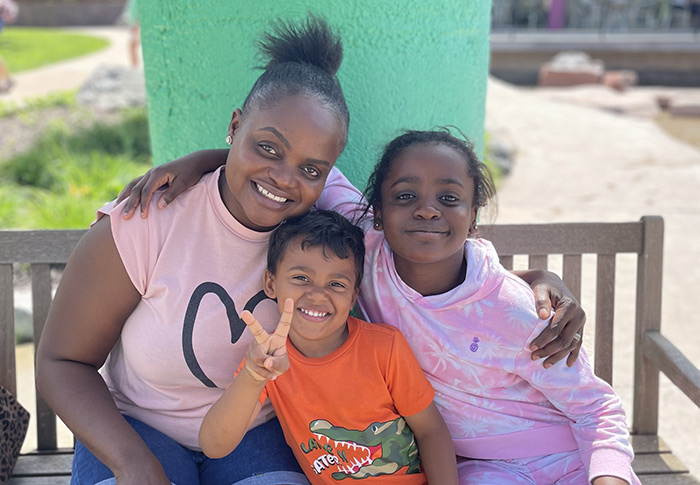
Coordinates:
(559, 338)
(437, 453)
(92, 303)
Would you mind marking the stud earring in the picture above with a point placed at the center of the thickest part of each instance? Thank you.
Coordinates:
(377, 224)
(229, 139)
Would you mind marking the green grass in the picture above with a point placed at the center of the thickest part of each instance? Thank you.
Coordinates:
(66, 176)
(25, 48)
(65, 99)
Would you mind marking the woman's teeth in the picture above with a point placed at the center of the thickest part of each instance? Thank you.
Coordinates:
(271, 196)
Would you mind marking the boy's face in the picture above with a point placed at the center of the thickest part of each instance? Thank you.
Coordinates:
(323, 289)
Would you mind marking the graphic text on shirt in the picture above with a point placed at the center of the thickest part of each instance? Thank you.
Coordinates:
(379, 449)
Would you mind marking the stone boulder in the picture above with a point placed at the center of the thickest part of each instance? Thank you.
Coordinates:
(111, 88)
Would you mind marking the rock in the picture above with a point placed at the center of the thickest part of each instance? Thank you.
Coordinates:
(685, 108)
(571, 68)
(111, 88)
(620, 80)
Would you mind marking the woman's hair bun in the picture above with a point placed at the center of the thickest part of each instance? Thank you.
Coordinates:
(307, 42)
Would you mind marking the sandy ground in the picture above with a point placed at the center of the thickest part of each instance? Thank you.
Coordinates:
(574, 163)
(579, 163)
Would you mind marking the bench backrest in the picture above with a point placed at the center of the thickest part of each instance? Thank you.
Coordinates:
(537, 241)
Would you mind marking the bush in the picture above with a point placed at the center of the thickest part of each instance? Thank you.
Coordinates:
(61, 182)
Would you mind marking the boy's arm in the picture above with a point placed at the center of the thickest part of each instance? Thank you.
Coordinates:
(228, 420)
(437, 453)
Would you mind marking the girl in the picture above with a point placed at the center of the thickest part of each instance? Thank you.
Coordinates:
(157, 301)
(469, 321)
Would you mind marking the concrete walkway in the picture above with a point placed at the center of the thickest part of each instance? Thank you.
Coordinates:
(71, 74)
(576, 163)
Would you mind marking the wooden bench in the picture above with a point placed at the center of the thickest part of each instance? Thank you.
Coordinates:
(654, 462)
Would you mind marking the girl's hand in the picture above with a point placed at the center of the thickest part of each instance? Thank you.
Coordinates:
(564, 335)
(174, 177)
(267, 357)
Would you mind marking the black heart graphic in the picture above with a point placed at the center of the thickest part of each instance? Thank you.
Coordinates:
(234, 320)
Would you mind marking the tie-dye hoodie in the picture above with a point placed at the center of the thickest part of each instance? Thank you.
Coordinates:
(472, 343)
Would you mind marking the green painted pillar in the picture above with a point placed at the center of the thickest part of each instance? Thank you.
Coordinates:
(408, 64)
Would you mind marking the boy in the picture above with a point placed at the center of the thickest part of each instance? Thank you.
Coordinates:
(354, 402)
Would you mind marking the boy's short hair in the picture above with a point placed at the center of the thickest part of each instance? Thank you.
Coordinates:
(324, 228)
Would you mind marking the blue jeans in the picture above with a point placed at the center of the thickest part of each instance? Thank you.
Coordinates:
(262, 458)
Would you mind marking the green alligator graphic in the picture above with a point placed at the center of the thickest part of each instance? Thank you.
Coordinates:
(383, 448)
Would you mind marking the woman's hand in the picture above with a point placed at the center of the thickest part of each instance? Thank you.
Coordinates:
(267, 357)
(564, 335)
(173, 177)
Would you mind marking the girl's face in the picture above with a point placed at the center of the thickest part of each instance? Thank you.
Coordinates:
(279, 160)
(426, 209)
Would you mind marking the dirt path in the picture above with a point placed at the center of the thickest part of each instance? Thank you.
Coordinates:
(576, 163)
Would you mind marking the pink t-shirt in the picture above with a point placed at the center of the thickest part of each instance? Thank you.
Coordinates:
(196, 268)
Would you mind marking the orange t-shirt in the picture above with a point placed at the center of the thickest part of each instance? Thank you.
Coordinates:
(342, 413)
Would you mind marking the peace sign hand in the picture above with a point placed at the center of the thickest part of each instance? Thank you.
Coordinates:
(267, 356)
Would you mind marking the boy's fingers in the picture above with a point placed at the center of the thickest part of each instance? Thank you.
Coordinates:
(283, 327)
(255, 328)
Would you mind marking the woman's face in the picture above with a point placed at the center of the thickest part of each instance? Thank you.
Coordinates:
(279, 160)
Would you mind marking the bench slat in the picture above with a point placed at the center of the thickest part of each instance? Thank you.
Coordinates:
(572, 274)
(565, 238)
(41, 302)
(666, 356)
(645, 406)
(61, 480)
(663, 463)
(647, 443)
(680, 479)
(43, 464)
(537, 261)
(7, 330)
(604, 317)
(45, 246)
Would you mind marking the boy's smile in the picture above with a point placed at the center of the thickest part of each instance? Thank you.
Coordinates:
(322, 286)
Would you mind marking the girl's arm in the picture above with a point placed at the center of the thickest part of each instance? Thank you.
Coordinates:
(175, 176)
(553, 344)
(597, 419)
(92, 303)
(437, 454)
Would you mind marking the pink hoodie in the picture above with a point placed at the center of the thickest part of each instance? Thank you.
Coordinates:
(472, 343)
